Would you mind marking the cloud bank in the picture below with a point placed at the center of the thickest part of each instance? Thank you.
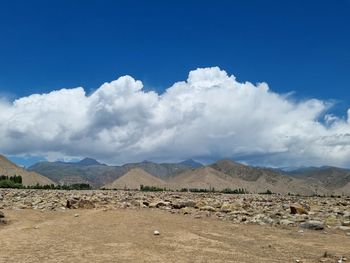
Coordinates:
(209, 116)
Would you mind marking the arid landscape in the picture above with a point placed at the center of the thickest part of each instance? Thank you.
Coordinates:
(199, 213)
(118, 226)
(174, 131)
(219, 176)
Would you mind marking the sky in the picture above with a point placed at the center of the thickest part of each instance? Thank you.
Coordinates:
(262, 82)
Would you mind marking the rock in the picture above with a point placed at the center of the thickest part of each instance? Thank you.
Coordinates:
(207, 208)
(297, 209)
(76, 215)
(186, 211)
(156, 233)
(345, 223)
(76, 202)
(286, 222)
(183, 203)
(312, 225)
(1, 197)
(158, 204)
(2, 215)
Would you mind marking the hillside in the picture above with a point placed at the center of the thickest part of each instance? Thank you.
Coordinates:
(245, 172)
(134, 178)
(204, 178)
(209, 178)
(335, 179)
(190, 174)
(28, 178)
(96, 174)
(262, 179)
(161, 170)
(90, 172)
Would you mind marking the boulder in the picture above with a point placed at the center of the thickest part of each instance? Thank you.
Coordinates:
(75, 203)
(297, 209)
(158, 204)
(312, 225)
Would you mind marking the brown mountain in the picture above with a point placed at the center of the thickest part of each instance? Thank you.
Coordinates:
(228, 174)
(28, 178)
(204, 178)
(96, 174)
(336, 180)
(134, 178)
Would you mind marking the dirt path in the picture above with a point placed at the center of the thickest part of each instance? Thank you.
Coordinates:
(127, 236)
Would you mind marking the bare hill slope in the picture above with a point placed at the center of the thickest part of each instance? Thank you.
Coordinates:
(8, 168)
(134, 178)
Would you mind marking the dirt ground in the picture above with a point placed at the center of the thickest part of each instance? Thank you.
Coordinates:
(126, 235)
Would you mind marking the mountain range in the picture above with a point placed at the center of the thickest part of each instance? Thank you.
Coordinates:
(96, 174)
(187, 174)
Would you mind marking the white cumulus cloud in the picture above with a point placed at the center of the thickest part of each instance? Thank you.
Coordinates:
(209, 116)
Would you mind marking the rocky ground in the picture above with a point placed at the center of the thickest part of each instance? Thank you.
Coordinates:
(277, 210)
(278, 216)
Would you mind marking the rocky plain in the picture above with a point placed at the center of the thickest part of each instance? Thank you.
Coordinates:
(277, 210)
(325, 218)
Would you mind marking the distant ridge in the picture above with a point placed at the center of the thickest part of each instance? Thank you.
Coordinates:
(89, 161)
(192, 163)
(332, 178)
(189, 173)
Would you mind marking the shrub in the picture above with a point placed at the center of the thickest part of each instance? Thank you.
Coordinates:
(146, 188)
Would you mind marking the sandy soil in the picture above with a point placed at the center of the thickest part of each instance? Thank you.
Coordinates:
(127, 236)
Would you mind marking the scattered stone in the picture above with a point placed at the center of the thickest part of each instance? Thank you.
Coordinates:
(156, 233)
(276, 210)
(312, 225)
(76, 215)
(297, 209)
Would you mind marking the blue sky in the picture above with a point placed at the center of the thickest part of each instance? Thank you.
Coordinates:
(294, 46)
